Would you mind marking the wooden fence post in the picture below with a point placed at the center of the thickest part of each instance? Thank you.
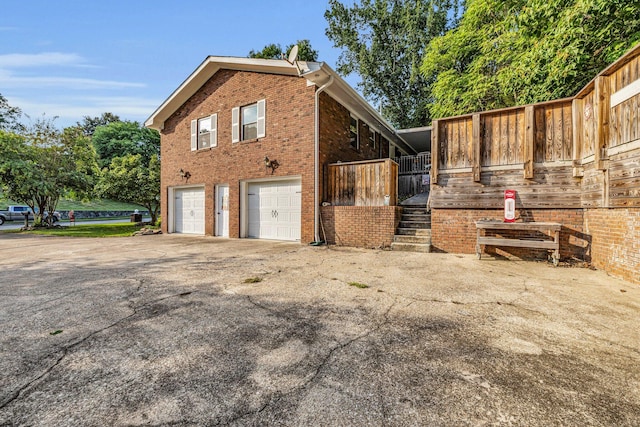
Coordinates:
(435, 142)
(475, 142)
(602, 111)
(529, 140)
(577, 111)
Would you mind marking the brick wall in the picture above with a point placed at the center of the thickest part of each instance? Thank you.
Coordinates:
(360, 226)
(615, 244)
(289, 140)
(453, 230)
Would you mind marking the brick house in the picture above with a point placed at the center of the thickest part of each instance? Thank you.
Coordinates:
(245, 145)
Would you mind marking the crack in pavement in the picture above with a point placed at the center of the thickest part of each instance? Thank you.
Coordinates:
(65, 350)
(277, 397)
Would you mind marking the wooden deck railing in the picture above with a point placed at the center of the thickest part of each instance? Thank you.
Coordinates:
(367, 183)
(414, 165)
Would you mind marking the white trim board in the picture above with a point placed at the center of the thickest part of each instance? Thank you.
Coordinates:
(628, 146)
(629, 91)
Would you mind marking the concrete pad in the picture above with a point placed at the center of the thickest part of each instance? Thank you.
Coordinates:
(417, 200)
(158, 330)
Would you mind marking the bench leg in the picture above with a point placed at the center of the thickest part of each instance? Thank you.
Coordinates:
(556, 252)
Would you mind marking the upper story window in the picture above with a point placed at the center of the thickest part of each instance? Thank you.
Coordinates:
(372, 137)
(204, 132)
(353, 133)
(248, 122)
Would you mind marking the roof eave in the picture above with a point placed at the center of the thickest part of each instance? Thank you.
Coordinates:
(345, 94)
(210, 66)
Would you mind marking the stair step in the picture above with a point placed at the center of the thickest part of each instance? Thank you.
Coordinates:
(416, 217)
(415, 224)
(411, 247)
(413, 232)
(412, 211)
(412, 239)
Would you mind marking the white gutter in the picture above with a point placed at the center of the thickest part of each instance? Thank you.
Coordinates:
(316, 204)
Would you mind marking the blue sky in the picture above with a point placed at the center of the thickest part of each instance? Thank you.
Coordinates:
(74, 58)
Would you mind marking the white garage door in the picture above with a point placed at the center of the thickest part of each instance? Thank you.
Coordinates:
(274, 210)
(189, 210)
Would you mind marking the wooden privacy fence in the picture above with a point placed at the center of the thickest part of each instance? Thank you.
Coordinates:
(366, 183)
(575, 152)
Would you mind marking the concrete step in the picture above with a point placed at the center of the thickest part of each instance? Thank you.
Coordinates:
(400, 238)
(416, 217)
(414, 224)
(412, 211)
(413, 232)
(411, 247)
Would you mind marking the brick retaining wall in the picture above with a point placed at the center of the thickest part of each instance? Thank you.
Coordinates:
(454, 230)
(360, 226)
(609, 239)
(615, 245)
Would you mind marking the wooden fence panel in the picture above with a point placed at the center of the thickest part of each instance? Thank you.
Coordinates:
(456, 149)
(363, 183)
(579, 152)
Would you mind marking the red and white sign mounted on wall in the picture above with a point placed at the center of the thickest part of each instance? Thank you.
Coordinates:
(510, 206)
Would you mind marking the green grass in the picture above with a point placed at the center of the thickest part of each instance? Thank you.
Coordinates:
(85, 230)
(253, 280)
(358, 285)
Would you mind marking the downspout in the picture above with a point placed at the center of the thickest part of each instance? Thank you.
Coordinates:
(316, 204)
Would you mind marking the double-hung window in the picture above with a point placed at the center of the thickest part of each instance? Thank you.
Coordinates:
(204, 132)
(249, 115)
(248, 122)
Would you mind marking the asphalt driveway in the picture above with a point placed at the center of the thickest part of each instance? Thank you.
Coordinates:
(163, 330)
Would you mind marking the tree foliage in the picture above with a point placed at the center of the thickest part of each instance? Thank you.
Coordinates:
(514, 52)
(131, 178)
(118, 139)
(89, 124)
(384, 42)
(40, 165)
(274, 51)
(9, 116)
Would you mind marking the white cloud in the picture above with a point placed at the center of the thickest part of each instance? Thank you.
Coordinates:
(22, 60)
(71, 110)
(8, 80)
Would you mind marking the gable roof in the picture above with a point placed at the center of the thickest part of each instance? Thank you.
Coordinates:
(317, 73)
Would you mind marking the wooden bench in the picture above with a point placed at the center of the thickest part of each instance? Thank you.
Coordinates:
(543, 227)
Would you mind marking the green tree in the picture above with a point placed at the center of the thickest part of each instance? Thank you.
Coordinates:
(133, 179)
(274, 51)
(118, 139)
(383, 41)
(39, 166)
(89, 124)
(9, 116)
(514, 52)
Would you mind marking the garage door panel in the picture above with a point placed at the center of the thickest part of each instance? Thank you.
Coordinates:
(274, 210)
(189, 211)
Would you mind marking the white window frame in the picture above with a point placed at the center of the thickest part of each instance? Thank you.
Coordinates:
(243, 136)
(213, 132)
(238, 124)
